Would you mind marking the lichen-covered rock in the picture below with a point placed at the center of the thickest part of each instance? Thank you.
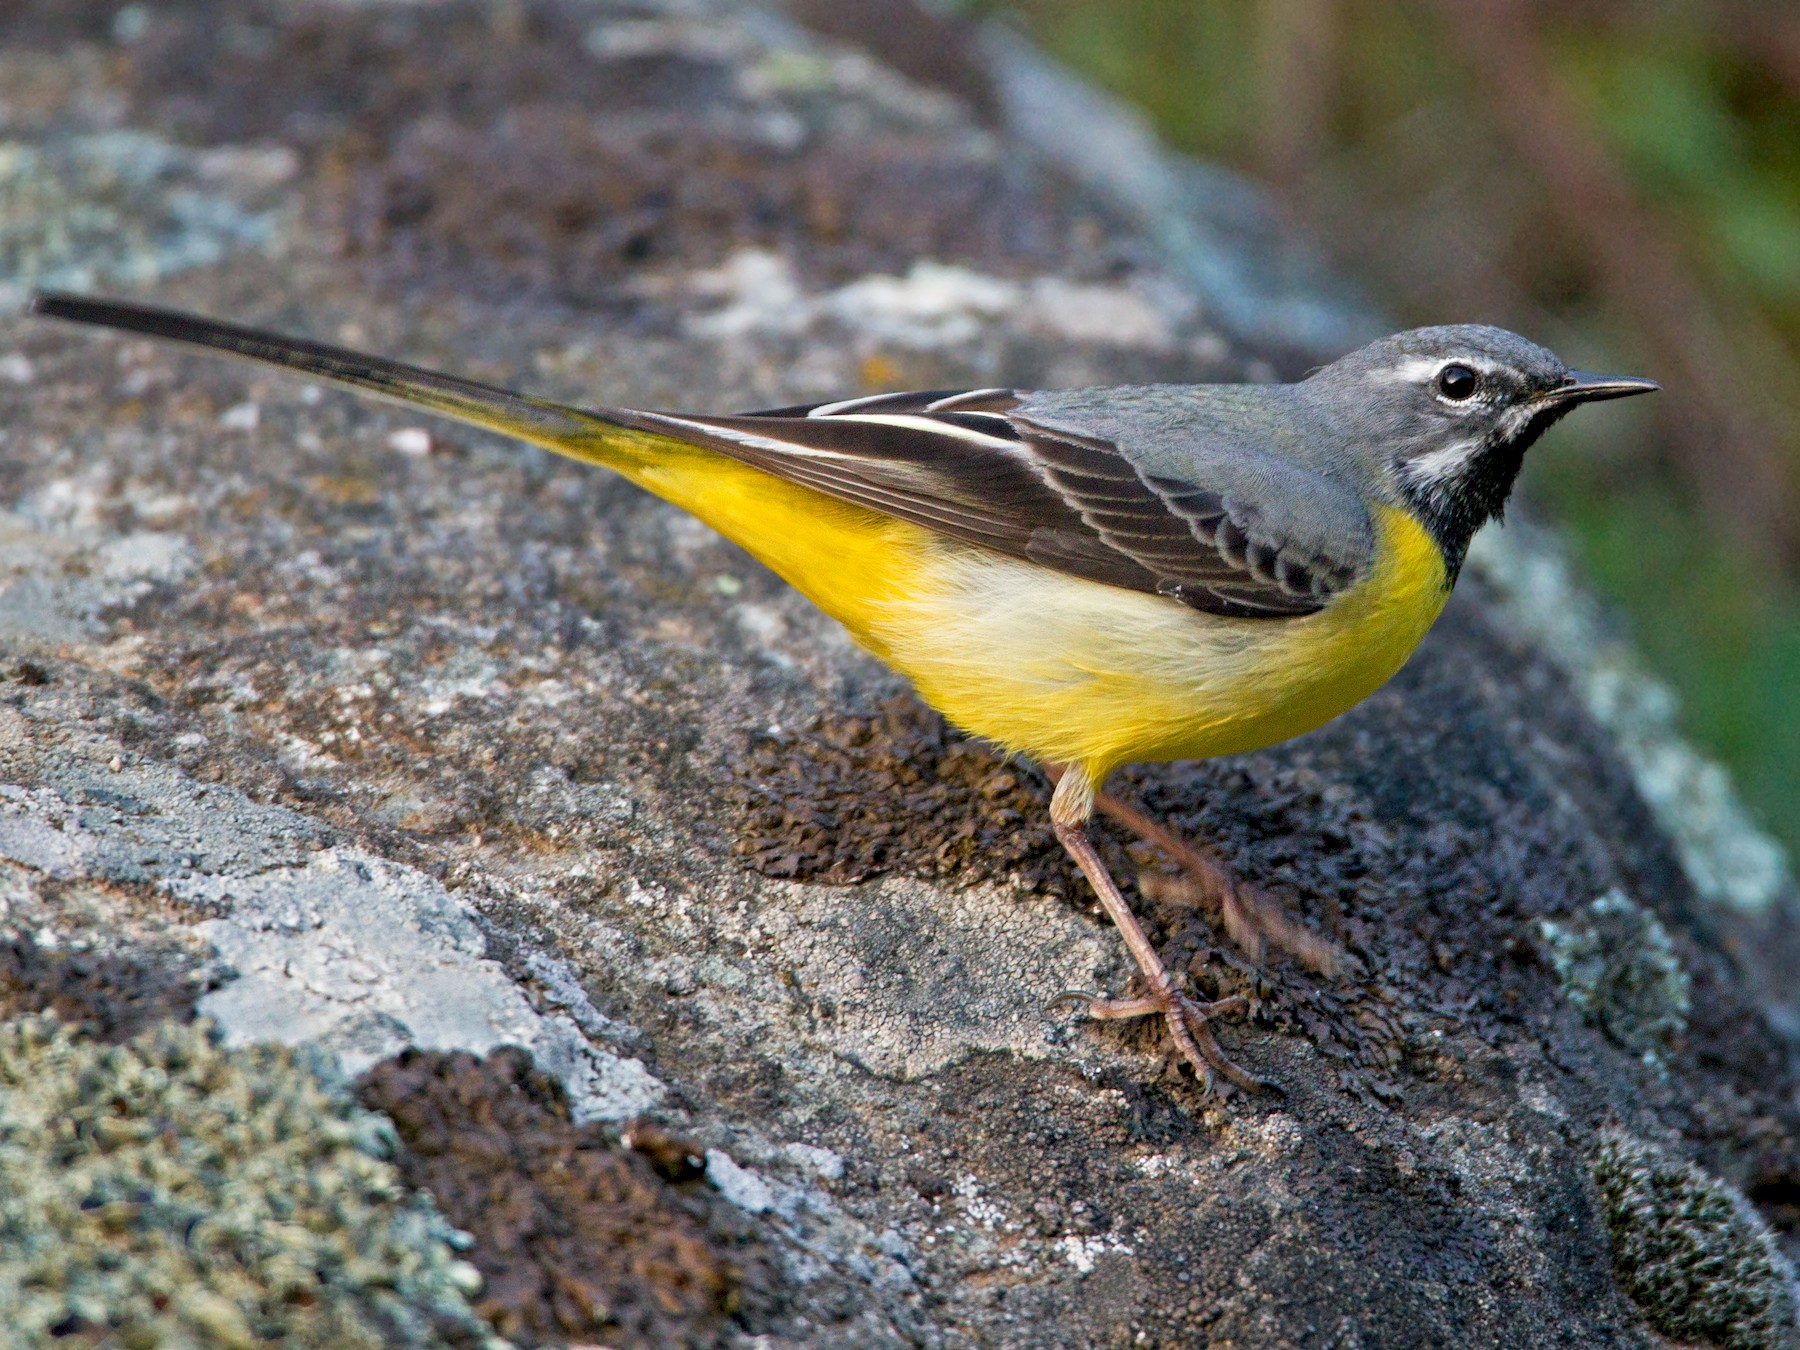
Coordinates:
(1698, 1259)
(89, 953)
(169, 1192)
(439, 742)
(1618, 965)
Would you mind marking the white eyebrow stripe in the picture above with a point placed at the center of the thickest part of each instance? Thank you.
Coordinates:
(1419, 369)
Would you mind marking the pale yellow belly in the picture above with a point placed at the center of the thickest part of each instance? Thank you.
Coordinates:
(1069, 671)
(1061, 670)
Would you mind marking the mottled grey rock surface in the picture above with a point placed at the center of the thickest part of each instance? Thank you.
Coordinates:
(349, 729)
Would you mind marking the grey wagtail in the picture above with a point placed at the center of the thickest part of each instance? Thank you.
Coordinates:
(1087, 577)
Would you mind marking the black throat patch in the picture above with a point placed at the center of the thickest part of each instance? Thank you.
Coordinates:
(1452, 510)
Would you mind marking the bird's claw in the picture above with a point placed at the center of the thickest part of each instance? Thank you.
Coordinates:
(1188, 1021)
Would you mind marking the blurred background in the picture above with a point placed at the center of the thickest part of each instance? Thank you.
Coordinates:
(1619, 179)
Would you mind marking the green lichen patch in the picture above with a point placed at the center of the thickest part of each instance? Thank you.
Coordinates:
(577, 1238)
(169, 1192)
(1692, 1252)
(1618, 965)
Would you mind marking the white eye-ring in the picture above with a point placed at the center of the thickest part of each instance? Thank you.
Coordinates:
(1457, 382)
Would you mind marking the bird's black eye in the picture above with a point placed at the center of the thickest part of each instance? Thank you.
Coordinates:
(1456, 381)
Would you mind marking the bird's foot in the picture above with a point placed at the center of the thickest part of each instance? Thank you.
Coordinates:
(1189, 1025)
(1254, 919)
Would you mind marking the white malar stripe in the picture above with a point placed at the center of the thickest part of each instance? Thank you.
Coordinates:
(1444, 463)
(1513, 420)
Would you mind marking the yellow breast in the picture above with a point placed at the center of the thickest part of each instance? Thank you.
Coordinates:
(1070, 671)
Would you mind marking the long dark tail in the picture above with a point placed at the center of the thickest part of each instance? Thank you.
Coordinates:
(602, 436)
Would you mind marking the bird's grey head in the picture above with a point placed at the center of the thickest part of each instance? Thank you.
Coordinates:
(1443, 417)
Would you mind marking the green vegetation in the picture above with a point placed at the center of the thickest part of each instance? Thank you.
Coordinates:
(1622, 182)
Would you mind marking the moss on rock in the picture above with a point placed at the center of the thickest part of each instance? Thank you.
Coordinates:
(169, 1192)
(1692, 1252)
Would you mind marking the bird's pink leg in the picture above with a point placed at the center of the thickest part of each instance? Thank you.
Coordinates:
(1071, 808)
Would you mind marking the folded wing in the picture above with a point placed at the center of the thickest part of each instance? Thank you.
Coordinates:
(968, 464)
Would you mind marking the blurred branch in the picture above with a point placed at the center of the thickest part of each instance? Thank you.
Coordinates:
(1297, 58)
(1723, 442)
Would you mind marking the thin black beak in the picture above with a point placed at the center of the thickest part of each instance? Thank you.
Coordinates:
(1585, 387)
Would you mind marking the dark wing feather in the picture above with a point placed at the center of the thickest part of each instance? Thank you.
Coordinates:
(957, 464)
(1196, 543)
(913, 401)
